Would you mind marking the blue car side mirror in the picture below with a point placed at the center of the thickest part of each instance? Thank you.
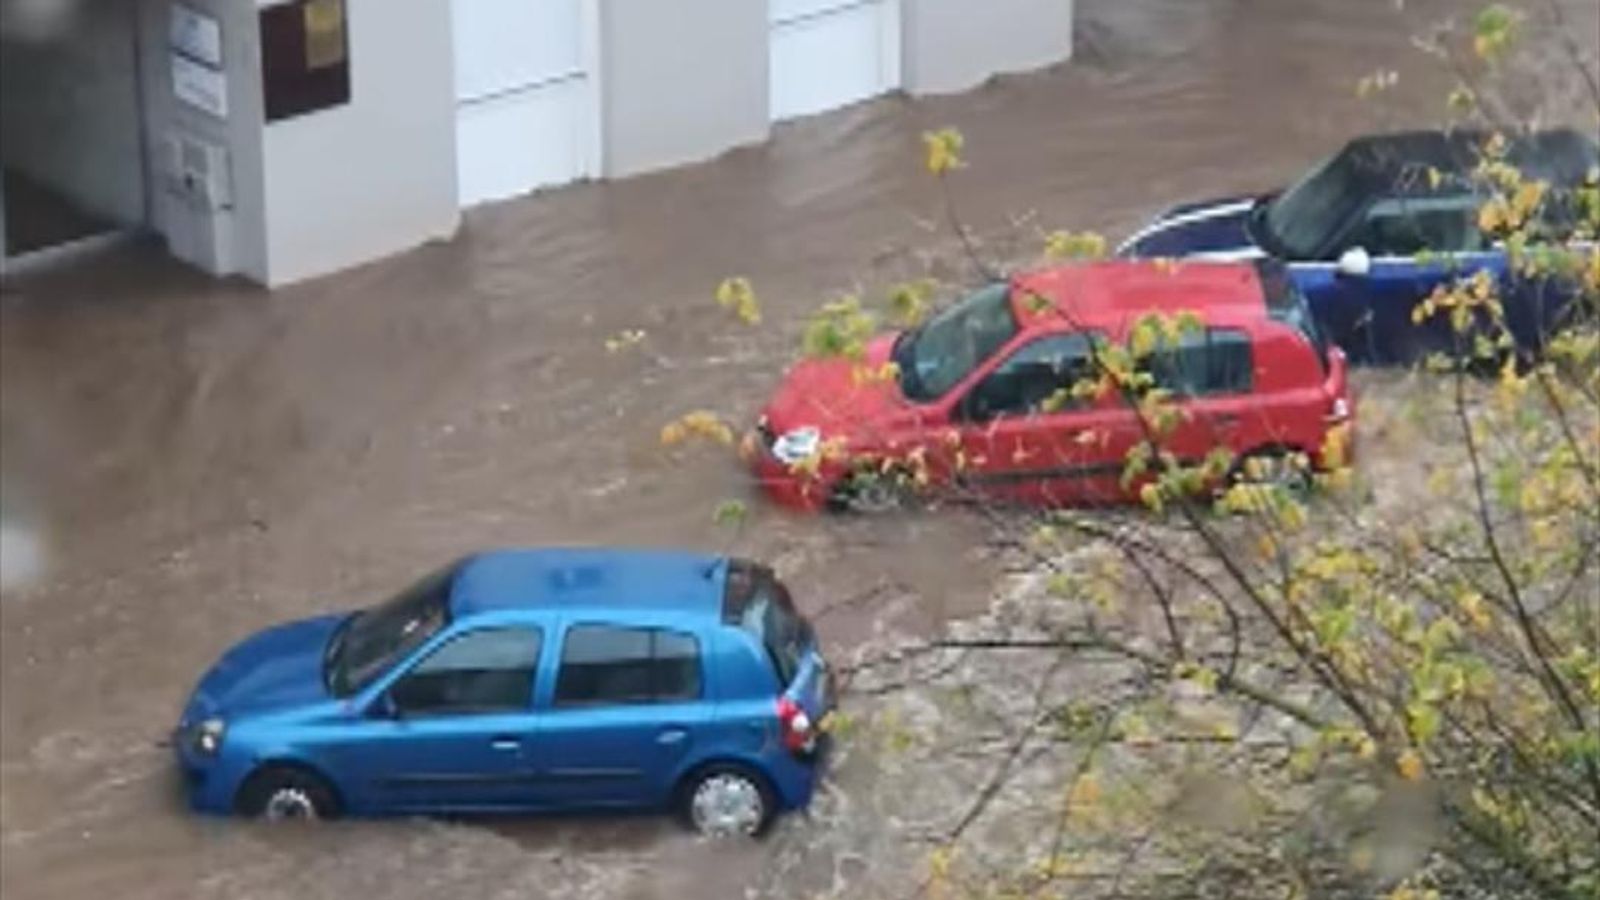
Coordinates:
(383, 707)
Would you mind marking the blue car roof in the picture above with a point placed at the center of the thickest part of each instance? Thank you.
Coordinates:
(590, 578)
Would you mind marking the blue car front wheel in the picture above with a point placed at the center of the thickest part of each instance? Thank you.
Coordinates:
(278, 793)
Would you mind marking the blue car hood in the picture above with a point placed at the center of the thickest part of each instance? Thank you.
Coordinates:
(1216, 228)
(279, 668)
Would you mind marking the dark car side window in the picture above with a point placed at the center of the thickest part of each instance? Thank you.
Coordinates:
(1213, 361)
(604, 664)
(1039, 371)
(1402, 227)
(488, 671)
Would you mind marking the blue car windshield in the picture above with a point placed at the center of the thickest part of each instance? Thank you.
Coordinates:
(935, 357)
(368, 643)
(1303, 219)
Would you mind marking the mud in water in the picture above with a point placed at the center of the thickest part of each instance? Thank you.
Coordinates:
(203, 459)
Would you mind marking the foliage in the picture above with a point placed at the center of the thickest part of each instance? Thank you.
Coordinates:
(1304, 692)
(944, 150)
(736, 295)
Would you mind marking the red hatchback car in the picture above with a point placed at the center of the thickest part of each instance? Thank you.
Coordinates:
(974, 398)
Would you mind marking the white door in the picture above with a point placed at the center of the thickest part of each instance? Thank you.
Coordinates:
(831, 53)
(527, 98)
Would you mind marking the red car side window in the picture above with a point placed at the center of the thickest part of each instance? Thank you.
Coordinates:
(1038, 377)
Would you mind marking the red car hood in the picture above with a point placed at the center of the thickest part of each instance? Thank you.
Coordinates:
(842, 397)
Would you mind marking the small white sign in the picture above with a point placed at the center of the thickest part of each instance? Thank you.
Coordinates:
(200, 86)
(196, 35)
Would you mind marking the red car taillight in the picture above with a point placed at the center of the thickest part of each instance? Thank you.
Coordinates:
(795, 728)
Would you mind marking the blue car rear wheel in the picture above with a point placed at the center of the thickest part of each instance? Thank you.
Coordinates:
(721, 801)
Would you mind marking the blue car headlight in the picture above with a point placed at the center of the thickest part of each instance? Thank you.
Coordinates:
(205, 738)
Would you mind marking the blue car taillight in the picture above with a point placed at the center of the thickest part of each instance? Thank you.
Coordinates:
(798, 732)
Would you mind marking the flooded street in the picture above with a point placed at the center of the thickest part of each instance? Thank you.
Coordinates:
(209, 458)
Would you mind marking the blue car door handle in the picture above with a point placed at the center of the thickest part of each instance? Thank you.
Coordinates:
(672, 737)
(506, 744)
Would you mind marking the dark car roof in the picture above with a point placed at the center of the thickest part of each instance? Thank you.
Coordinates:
(1114, 291)
(1562, 156)
(589, 578)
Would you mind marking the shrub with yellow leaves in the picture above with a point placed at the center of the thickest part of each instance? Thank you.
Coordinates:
(944, 150)
(1434, 654)
(737, 296)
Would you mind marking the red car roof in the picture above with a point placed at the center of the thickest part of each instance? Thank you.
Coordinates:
(1118, 290)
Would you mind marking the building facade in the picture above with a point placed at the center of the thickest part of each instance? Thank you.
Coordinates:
(285, 140)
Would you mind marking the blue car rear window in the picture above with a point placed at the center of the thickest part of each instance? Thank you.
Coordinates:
(757, 602)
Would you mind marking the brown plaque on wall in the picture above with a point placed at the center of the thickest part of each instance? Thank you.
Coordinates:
(305, 57)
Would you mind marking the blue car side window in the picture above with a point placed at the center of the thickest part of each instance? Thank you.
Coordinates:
(480, 672)
(603, 664)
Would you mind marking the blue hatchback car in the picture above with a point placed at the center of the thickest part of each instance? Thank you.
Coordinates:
(525, 681)
(1368, 234)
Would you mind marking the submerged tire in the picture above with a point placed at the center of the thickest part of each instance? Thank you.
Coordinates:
(870, 493)
(1272, 468)
(285, 794)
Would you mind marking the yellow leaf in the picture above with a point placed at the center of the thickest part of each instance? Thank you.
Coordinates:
(699, 424)
(1070, 245)
(1266, 546)
(737, 295)
(1410, 765)
(1085, 793)
(943, 150)
(1150, 496)
(1492, 216)
(1474, 608)
(940, 860)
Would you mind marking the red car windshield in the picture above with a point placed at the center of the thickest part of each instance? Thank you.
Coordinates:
(935, 357)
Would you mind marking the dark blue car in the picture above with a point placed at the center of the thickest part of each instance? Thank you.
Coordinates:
(524, 680)
(1370, 232)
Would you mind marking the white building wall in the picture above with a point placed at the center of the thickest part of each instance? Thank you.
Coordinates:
(682, 80)
(240, 225)
(679, 81)
(377, 175)
(955, 45)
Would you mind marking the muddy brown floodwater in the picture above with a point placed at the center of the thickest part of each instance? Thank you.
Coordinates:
(209, 458)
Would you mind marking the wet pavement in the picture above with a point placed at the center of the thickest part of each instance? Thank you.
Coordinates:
(210, 458)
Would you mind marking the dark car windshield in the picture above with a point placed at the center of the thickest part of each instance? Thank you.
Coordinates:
(1302, 220)
(757, 602)
(371, 641)
(935, 357)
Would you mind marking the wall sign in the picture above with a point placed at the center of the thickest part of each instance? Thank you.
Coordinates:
(195, 35)
(305, 57)
(200, 86)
